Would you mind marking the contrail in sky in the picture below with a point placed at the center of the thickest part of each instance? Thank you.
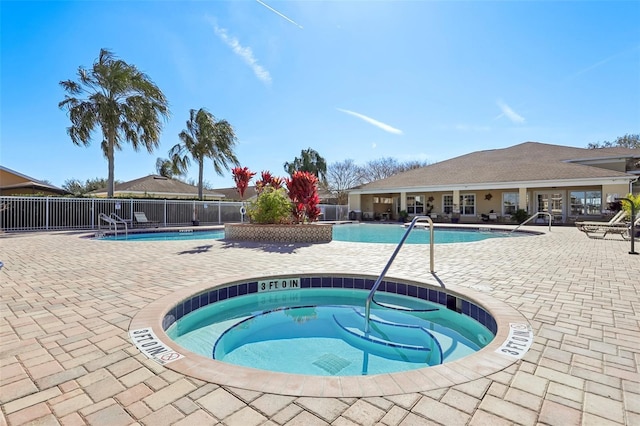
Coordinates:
(602, 62)
(279, 14)
(243, 52)
(509, 113)
(370, 120)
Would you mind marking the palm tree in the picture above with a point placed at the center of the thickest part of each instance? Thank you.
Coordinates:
(166, 168)
(205, 138)
(120, 99)
(311, 162)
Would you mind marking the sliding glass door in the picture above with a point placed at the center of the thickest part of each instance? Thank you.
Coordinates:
(551, 202)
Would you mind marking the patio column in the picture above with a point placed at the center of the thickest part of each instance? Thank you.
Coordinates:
(456, 201)
(403, 201)
(522, 199)
(355, 202)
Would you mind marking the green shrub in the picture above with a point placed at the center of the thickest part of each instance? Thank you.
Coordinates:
(271, 206)
(519, 216)
(626, 206)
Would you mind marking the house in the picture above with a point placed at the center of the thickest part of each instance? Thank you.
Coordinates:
(250, 194)
(15, 184)
(232, 194)
(156, 186)
(565, 182)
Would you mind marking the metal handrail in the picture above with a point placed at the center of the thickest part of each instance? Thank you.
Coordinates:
(367, 306)
(113, 221)
(118, 219)
(533, 217)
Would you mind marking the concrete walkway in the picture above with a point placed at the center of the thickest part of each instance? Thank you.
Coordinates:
(67, 303)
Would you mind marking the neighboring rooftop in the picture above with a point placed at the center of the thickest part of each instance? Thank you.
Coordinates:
(16, 183)
(157, 186)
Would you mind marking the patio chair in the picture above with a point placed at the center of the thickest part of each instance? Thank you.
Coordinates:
(492, 216)
(586, 225)
(140, 219)
(612, 227)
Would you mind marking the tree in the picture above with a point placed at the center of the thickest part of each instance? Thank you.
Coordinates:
(380, 169)
(626, 141)
(309, 161)
(121, 100)
(205, 138)
(77, 188)
(384, 167)
(342, 177)
(167, 168)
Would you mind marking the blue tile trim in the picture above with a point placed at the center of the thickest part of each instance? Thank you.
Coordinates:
(449, 301)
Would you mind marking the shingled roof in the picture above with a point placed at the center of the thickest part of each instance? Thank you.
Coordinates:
(16, 183)
(159, 187)
(526, 162)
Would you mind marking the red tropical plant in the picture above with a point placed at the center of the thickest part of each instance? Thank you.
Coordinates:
(303, 192)
(242, 176)
(268, 180)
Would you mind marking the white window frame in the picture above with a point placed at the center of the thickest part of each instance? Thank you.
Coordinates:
(465, 208)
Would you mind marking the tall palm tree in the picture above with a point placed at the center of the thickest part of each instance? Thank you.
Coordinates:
(203, 138)
(119, 99)
(310, 161)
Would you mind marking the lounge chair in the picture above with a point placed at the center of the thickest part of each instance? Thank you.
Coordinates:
(615, 226)
(617, 219)
(140, 219)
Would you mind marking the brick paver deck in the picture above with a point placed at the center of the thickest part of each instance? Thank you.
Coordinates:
(67, 302)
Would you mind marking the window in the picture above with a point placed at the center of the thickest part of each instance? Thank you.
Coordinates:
(510, 202)
(468, 204)
(447, 204)
(585, 203)
(415, 204)
(382, 200)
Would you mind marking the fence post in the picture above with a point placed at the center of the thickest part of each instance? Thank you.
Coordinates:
(46, 220)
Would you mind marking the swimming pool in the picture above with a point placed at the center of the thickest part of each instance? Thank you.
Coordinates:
(356, 233)
(320, 331)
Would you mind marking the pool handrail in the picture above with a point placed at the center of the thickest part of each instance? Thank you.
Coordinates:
(367, 306)
(113, 220)
(118, 219)
(535, 215)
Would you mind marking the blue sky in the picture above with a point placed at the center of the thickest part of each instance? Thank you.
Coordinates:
(361, 80)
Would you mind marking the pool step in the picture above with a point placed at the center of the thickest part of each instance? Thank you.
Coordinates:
(387, 339)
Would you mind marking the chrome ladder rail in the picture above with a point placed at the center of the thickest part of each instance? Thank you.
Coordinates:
(367, 306)
(533, 217)
(113, 220)
(118, 219)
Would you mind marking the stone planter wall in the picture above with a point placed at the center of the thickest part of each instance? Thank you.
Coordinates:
(319, 233)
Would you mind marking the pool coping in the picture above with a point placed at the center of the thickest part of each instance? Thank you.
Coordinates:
(483, 363)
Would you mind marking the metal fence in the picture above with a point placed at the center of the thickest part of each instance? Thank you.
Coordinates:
(53, 213)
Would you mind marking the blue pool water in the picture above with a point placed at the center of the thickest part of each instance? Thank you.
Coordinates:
(321, 332)
(358, 233)
(167, 236)
(390, 233)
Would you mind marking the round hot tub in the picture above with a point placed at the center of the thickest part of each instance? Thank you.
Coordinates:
(282, 333)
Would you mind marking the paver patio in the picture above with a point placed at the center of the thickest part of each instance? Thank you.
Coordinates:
(67, 302)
